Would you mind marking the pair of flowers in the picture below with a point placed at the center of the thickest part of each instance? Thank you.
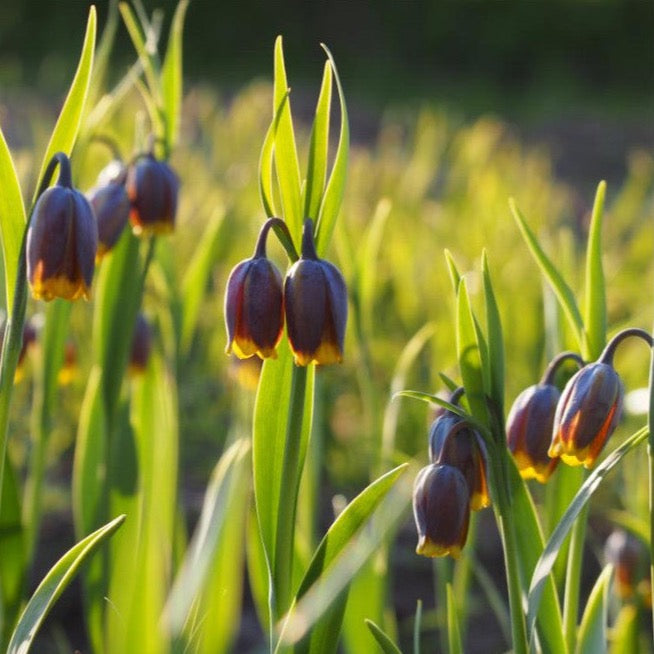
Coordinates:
(545, 424)
(68, 230)
(312, 299)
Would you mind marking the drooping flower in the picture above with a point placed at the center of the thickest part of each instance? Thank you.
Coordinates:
(152, 188)
(530, 421)
(61, 241)
(254, 315)
(315, 301)
(141, 345)
(441, 508)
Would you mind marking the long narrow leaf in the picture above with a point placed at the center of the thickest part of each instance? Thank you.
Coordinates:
(171, 75)
(333, 197)
(266, 161)
(53, 584)
(384, 641)
(68, 124)
(453, 633)
(12, 221)
(285, 152)
(319, 148)
(595, 301)
(547, 558)
(561, 289)
(495, 341)
(592, 637)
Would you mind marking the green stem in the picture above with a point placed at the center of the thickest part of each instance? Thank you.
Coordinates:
(573, 579)
(291, 474)
(650, 454)
(506, 522)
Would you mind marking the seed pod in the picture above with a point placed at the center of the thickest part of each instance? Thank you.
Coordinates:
(61, 242)
(587, 414)
(152, 190)
(315, 301)
(254, 315)
(441, 508)
(529, 431)
(141, 345)
(111, 207)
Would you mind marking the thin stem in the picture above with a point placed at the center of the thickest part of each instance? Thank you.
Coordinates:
(555, 363)
(284, 236)
(308, 244)
(573, 579)
(609, 350)
(291, 474)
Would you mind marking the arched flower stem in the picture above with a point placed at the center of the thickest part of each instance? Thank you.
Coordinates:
(609, 350)
(555, 363)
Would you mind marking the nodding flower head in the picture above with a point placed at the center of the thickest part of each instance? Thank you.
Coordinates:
(61, 241)
(152, 190)
(141, 345)
(590, 407)
(455, 442)
(111, 206)
(530, 422)
(630, 558)
(441, 508)
(315, 301)
(254, 314)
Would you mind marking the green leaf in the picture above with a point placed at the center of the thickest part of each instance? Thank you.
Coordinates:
(266, 161)
(333, 197)
(469, 351)
(171, 75)
(563, 293)
(53, 584)
(207, 563)
(384, 641)
(146, 49)
(495, 341)
(350, 520)
(285, 152)
(319, 148)
(547, 558)
(12, 546)
(453, 633)
(455, 276)
(592, 636)
(12, 221)
(68, 124)
(595, 314)
(196, 277)
(282, 423)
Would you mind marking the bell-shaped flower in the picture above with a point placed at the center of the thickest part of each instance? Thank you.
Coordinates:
(61, 241)
(141, 345)
(152, 188)
(315, 301)
(254, 314)
(441, 508)
(111, 207)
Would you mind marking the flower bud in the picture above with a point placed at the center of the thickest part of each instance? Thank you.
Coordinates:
(315, 301)
(141, 345)
(61, 242)
(254, 315)
(152, 190)
(111, 207)
(441, 508)
(454, 442)
(529, 431)
(587, 414)
(630, 560)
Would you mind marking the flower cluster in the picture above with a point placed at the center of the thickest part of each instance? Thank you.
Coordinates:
(69, 231)
(574, 425)
(312, 300)
(453, 484)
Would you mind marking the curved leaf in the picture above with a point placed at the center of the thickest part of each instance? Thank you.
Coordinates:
(592, 636)
(53, 584)
(547, 558)
(384, 641)
(68, 124)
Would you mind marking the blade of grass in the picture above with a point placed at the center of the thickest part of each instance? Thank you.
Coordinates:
(495, 342)
(595, 300)
(171, 75)
(53, 584)
(333, 196)
(385, 643)
(70, 118)
(561, 289)
(285, 152)
(547, 558)
(319, 148)
(266, 161)
(593, 637)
